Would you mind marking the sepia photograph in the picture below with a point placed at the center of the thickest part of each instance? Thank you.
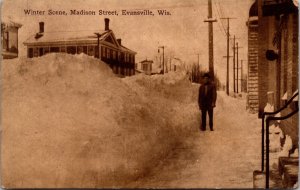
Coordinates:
(149, 94)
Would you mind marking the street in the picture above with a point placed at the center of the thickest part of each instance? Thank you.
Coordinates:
(224, 158)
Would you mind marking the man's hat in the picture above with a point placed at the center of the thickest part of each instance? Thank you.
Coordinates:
(206, 75)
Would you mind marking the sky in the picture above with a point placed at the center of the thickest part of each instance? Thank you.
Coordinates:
(184, 33)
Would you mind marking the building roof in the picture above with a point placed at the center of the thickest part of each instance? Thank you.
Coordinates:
(254, 9)
(10, 22)
(72, 37)
(65, 36)
(149, 61)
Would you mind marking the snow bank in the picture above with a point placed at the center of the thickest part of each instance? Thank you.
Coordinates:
(69, 122)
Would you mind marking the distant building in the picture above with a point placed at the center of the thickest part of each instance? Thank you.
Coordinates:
(100, 44)
(9, 38)
(146, 66)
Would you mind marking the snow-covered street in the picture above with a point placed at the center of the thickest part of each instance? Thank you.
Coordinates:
(224, 158)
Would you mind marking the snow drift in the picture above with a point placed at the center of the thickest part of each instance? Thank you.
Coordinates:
(67, 121)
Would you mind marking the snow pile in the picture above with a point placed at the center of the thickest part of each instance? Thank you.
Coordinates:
(286, 147)
(295, 153)
(276, 136)
(69, 122)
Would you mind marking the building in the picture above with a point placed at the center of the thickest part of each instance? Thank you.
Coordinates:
(252, 82)
(101, 44)
(9, 37)
(146, 66)
(276, 44)
(278, 57)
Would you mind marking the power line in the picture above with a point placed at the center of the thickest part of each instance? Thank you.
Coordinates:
(218, 12)
(221, 13)
(219, 25)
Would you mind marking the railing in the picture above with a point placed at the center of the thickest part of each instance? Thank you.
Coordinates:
(272, 118)
(263, 127)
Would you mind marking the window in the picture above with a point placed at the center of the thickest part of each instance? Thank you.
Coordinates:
(41, 51)
(91, 50)
(35, 52)
(108, 53)
(114, 55)
(79, 49)
(145, 67)
(54, 49)
(71, 49)
(63, 49)
(30, 53)
(85, 49)
(46, 50)
(103, 51)
(5, 41)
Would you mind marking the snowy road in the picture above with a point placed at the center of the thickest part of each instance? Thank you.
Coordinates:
(223, 158)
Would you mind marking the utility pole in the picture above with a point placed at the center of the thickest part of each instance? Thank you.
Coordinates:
(227, 74)
(167, 70)
(163, 48)
(234, 53)
(234, 64)
(237, 61)
(198, 56)
(242, 76)
(170, 64)
(210, 21)
(242, 81)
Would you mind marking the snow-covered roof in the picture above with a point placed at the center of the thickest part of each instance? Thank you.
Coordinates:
(123, 48)
(65, 36)
(72, 36)
(147, 61)
(284, 97)
(297, 97)
(10, 22)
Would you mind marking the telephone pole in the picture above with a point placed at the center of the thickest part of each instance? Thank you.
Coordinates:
(242, 75)
(234, 53)
(198, 54)
(210, 21)
(163, 48)
(237, 61)
(234, 64)
(227, 74)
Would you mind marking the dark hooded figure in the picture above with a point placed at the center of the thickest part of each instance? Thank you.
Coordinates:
(207, 101)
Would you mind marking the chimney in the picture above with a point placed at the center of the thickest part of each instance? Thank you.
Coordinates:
(119, 41)
(41, 27)
(106, 20)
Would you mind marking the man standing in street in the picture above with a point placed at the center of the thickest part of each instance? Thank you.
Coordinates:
(207, 101)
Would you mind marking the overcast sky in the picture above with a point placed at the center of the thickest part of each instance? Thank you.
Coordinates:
(184, 33)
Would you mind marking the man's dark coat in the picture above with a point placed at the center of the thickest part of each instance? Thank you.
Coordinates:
(207, 101)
